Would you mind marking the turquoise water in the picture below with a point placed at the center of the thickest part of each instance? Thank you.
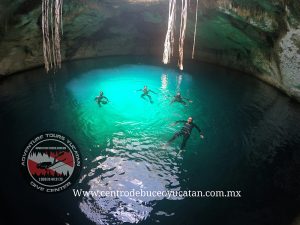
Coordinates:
(251, 136)
(127, 115)
(133, 131)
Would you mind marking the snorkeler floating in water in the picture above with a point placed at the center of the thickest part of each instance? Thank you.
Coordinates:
(180, 99)
(146, 92)
(101, 99)
(185, 131)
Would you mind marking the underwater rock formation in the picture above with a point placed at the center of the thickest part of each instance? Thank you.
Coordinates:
(261, 38)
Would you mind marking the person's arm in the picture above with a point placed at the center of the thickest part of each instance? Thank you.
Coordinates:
(199, 130)
(189, 100)
(152, 91)
(173, 100)
(178, 121)
(105, 98)
(139, 90)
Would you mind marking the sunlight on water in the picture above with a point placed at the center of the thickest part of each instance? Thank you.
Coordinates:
(127, 113)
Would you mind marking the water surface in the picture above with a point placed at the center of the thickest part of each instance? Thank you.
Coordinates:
(251, 140)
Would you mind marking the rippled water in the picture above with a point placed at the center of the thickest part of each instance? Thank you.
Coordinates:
(251, 141)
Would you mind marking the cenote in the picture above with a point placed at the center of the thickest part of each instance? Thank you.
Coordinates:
(251, 139)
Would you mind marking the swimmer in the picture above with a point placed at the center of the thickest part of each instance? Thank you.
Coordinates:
(101, 99)
(185, 131)
(146, 92)
(180, 99)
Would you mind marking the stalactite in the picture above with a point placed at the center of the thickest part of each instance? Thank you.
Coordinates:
(52, 30)
(57, 32)
(195, 30)
(182, 32)
(45, 30)
(61, 18)
(169, 41)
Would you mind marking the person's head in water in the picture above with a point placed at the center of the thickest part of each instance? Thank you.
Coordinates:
(190, 120)
(101, 93)
(178, 94)
(145, 87)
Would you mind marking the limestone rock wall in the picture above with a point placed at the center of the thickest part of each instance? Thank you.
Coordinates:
(260, 37)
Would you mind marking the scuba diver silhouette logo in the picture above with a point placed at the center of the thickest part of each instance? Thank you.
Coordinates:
(51, 162)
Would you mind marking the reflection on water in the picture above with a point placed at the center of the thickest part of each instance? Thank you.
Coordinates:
(150, 170)
(52, 93)
(164, 81)
(178, 80)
